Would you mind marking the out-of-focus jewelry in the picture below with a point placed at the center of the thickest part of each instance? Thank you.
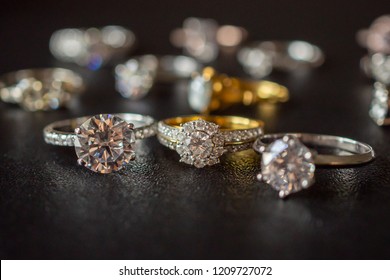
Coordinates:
(376, 37)
(210, 91)
(288, 165)
(379, 109)
(40, 89)
(202, 140)
(202, 38)
(377, 66)
(135, 78)
(92, 47)
(104, 143)
(260, 58)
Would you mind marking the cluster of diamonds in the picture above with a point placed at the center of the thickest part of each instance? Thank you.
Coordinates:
(200, 143)
(287, 165)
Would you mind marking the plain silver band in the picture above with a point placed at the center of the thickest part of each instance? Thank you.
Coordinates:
(45, 75)
(361, 152)
(57, 133)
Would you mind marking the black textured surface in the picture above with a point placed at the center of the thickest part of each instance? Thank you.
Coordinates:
(159, 208)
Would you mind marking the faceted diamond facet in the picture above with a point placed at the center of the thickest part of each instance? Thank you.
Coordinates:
(104, 143)
(200, 143)
(287, 165)
(199, 94)
(379, 104)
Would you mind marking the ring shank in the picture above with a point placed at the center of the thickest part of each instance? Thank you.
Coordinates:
(351, 152)
(61, 133)
(225, 122)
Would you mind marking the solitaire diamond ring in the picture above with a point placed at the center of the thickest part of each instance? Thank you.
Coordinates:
(288, 165)
(260, 58)
(202, 140)
(104, 143)
(92, 47)
(135, 78)
(211, 91)
(40, 89)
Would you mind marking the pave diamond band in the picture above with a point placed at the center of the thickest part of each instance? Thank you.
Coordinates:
(288, 160)
(42, 89)
(104, 143)
(201, 140)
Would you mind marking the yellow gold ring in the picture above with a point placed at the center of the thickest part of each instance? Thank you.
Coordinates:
(210, 91)
(201, 140)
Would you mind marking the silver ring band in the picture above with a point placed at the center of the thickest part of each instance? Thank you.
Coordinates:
(350, 152)
(61, 133)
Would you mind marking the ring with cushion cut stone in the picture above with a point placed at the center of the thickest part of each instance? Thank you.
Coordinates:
(135, 78)
(92, 47)
(42, 89)
(211, 91)
(288, 165)
(260, 58)
(202, 140)
(104, 143)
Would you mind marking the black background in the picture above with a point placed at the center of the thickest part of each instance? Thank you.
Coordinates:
(162, 209)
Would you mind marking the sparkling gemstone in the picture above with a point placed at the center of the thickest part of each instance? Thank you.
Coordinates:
(287, 165)
(379, 104)
(135, 78)
(199, 94)
(104, 143)
(200, 143)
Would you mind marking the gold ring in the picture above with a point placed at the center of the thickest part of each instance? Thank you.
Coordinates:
(201, 140)
(210, 91)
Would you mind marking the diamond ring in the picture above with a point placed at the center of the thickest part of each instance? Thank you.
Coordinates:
(202, 140)
(379, 109)
(377, 66)
(92, 47)
(260, 58)
(135, 78)
(211, 91)
(40, 89)
(104, 143)
(288, 165)
(202, 38)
